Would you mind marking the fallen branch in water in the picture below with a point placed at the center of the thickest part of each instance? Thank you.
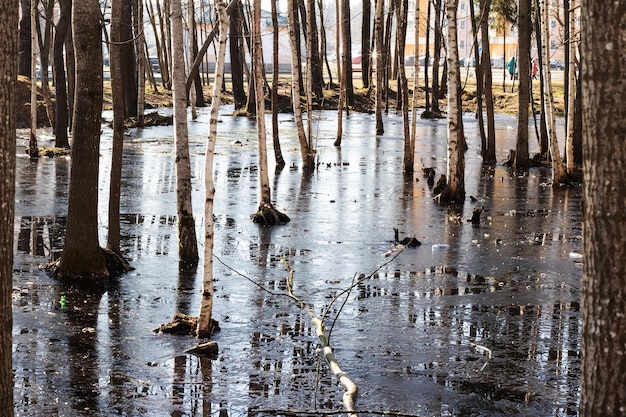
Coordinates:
(484, 349)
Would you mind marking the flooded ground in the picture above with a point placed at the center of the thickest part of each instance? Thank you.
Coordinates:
(477, 321)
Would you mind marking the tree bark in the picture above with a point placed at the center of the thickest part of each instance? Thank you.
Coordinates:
(24, 39)
(522, 158)
(489, 154)
(455, 188)
(187, 242)
(129, 59)
(9, 70)
(205, 322)
(236, 65)
(603, 363)
(82, 256)
(409, 144)
(33, 149)
(380, 65)
(278, 154)
(62, 110)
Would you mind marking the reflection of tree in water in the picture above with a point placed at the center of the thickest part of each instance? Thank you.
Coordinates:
(41, 236)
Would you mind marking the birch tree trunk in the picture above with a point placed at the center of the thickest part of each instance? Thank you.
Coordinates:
(187, 242)
(455, 188)
(33, 149)
(558, 170)
(205, 322)
(409, 145)
(603, 363)
(8, 68)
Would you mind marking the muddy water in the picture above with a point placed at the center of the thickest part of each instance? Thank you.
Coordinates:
(477, 321)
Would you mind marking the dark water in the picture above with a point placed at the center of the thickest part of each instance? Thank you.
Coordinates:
(415, 337)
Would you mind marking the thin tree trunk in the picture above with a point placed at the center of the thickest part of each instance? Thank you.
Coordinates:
(141, 65)
(571, 94)
(409, 150)
(33, 149)
(117, 93)
(480, 78)
(305, 151)
(489, 157)
(323, 43)
(522, 159)
(558, 170)
(8, 69)
(187, 242)
(205, 322)
(380, 65)
(342, 80)
(366, 29)
(62, 110)
(416, 14)
(278, 154)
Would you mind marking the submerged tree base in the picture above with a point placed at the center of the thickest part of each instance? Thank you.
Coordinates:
(184, 325)
(115, 266)
(268, 215)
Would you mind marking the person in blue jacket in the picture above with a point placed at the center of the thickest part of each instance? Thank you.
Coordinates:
(511, 67)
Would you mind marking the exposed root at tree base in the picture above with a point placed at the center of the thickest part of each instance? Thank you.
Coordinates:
(268, 215)
(184, 325)
(115, 266)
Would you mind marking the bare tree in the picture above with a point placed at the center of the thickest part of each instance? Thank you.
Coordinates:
(205, 321)
(558, 170)
(62, 107)
(603, 380)
(187, 242)
(267, 213)
(8, 68)
(278, 154)
(522, 159)
(571, 90)
(455, 187)
(489, 152)
(33, 149)
(141, 64)
(379, 15)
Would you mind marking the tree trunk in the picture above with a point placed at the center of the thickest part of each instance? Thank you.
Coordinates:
(489, 156)
(236, 65)
(205, 322)
(61, 112)
(313, 45)
(45, 41)
(323, 43)
(416, 14)
(522, 159)
(82, 256)
(9, 70)
(543, 130)
(455, 187)
(187, 242)
(379, 15)
(141, 64)
(305, 151)
(571, 95)
(366, 53)
(266, 214)
(24, 62)
(278, 154)
(603, 364)
(409, 145)
(480, 79)
(558, 170)
(193, 39)
(436, 57)
(117, 93)
(33, 149)
(129, 59)
(347, 42)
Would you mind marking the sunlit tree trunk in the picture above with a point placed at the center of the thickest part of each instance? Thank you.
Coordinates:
(603, 362)
(205, 326)
(379, 16)
(558, 170)
(33, 148)
(522, 159)
(82, 256)
(455, 188)
(305, 150)
(8, 68)
(571, 92)
(187, 242)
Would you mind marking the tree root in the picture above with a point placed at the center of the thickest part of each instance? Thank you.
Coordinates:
(184, 325)
(115, 266)
(268, 215)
